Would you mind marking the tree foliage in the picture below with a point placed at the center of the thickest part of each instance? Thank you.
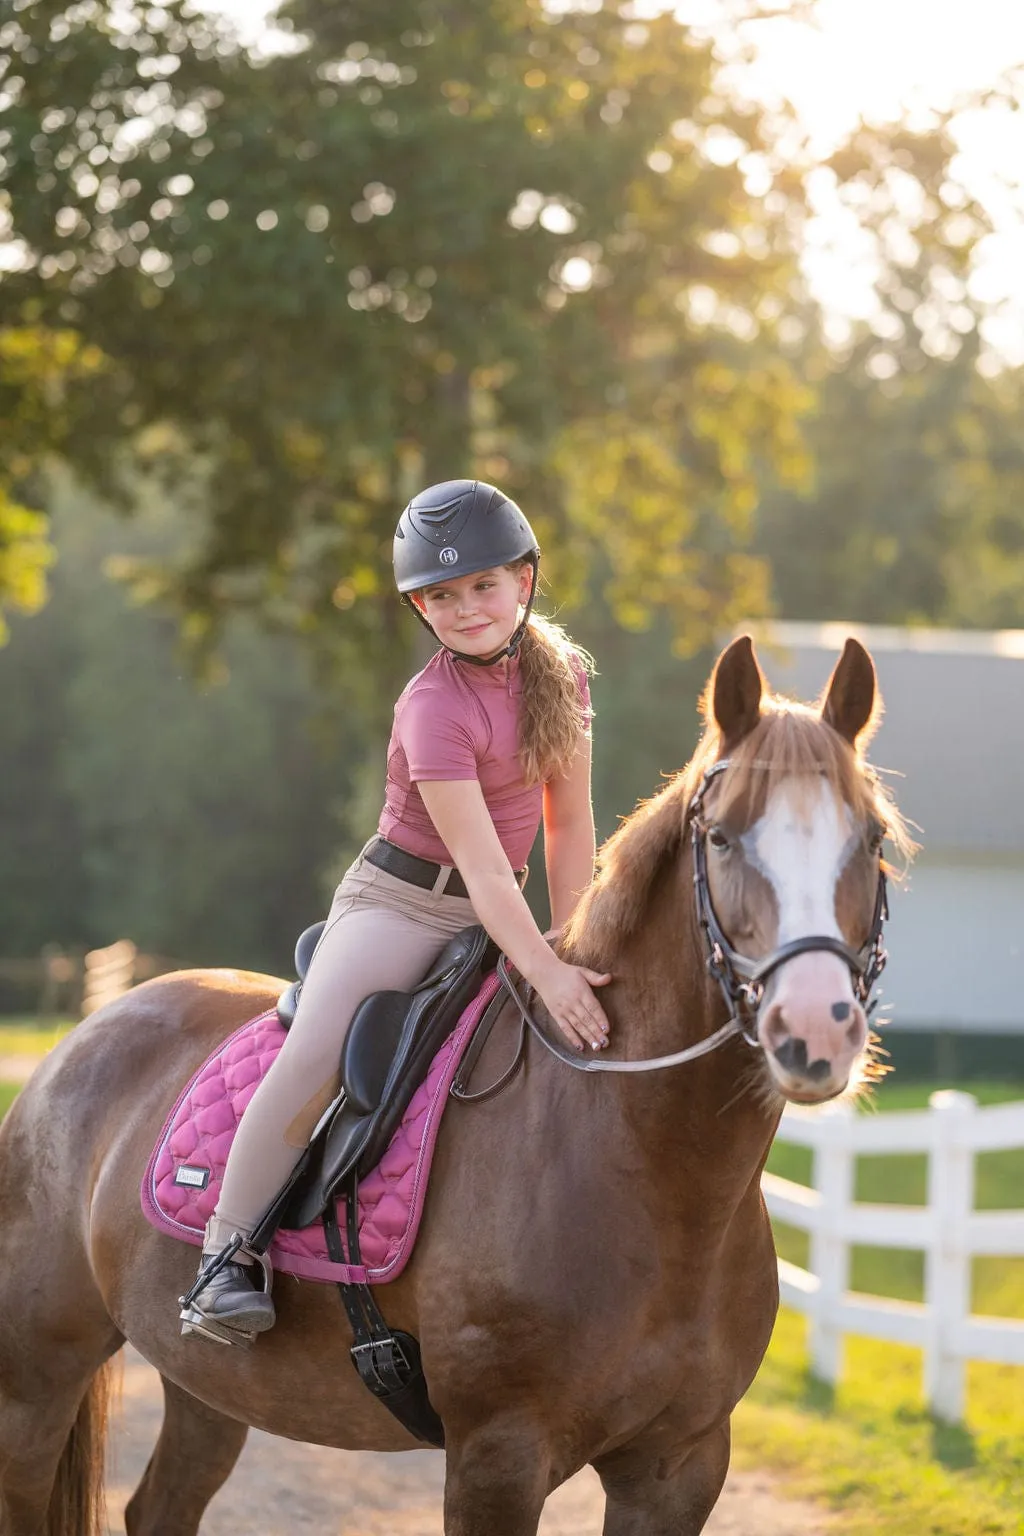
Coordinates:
(36, 367)
(915, 515)
(199, 821)
(435, 237)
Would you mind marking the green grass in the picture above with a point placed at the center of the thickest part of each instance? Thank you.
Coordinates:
(26, 1037)
(870, 1450)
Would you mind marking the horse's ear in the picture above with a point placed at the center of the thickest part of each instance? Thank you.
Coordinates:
(851, 700)
(734, 692)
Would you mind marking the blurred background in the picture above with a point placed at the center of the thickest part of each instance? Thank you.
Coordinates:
(729, 296)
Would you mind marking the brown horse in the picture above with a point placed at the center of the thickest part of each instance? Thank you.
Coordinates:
(595, 1280)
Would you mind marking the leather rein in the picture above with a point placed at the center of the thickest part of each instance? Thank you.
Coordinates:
(742, 981)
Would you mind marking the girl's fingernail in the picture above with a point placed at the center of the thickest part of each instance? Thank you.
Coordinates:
(595, 1045)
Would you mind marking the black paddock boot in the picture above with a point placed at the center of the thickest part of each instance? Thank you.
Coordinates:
(225, 1304)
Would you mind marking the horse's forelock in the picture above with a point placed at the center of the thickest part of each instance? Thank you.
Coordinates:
(792, 741)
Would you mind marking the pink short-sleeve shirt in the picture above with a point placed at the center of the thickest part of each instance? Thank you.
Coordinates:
(457, 721)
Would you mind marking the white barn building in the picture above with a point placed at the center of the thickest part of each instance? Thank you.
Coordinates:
(953, 739)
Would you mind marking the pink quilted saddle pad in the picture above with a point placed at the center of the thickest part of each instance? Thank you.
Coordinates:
(183, 1178)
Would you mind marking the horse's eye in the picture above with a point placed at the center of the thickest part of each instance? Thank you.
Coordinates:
(718, 839)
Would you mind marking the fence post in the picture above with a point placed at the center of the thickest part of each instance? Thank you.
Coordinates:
(108, 974)
(833, 1178)
(948, 1261)
(59, 973)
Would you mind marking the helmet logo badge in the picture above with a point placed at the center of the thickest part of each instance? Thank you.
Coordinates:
(448, 555)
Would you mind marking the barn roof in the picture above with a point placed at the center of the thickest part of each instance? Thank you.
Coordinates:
(953, 725)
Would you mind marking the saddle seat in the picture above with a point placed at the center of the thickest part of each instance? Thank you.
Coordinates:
(385, 1056)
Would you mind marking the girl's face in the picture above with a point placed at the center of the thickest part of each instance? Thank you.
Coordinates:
(476, 614)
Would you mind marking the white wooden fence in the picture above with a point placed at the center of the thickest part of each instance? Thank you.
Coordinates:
(948, 1230)
(109, 973)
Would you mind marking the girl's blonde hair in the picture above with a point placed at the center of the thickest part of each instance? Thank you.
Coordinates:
(552, 716)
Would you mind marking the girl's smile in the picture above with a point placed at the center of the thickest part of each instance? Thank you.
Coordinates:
(477, 614)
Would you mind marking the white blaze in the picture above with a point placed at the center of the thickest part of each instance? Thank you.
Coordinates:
(800, 846)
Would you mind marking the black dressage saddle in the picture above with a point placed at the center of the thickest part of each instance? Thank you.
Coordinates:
(387, 1051)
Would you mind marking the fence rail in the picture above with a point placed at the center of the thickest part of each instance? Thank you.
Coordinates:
(947, 1230)
(74, 983)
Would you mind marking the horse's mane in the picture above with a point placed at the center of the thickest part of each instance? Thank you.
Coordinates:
(790, 740)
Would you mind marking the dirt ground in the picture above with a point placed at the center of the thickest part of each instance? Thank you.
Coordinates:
(280, 1488)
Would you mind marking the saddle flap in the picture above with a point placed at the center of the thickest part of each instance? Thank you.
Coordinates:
(388, 1048)
(370, 1045)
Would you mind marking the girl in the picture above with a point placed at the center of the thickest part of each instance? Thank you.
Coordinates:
(489, 739)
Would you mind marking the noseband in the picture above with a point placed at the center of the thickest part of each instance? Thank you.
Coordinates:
(743, 981)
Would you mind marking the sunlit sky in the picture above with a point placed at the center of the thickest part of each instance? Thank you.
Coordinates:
(879, 59)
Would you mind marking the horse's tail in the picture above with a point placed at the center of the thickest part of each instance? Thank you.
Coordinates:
(77, 1506)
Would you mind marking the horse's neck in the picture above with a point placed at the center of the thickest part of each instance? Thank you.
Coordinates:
(709, 1120)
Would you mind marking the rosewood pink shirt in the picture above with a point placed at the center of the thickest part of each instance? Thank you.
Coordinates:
(457, 721)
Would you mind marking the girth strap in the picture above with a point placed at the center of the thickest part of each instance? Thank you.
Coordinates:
(388, 1361)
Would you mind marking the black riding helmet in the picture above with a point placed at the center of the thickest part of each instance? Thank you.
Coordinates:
(455, 529)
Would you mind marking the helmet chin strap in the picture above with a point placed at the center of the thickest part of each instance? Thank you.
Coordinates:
(515, 641)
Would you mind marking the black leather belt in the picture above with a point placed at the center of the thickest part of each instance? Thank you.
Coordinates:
(416, 871)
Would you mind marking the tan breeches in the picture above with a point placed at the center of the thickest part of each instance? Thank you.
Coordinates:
(381, 933)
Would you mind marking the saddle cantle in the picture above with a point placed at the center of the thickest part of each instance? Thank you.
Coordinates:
(305, 948)
(388, 1048)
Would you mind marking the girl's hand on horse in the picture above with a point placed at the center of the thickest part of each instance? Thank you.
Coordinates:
(566, 992)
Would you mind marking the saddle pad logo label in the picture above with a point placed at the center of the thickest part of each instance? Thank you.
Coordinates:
(192, 1177)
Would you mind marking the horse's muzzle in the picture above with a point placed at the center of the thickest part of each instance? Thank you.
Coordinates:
(812, 1027)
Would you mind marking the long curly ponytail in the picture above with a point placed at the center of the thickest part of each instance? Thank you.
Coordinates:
(553, 716)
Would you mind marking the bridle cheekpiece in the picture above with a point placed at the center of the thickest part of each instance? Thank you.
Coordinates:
(742, 980)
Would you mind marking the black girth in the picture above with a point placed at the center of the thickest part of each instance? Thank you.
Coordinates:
(388, 1361)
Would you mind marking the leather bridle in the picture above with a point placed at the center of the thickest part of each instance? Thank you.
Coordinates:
(742, 980)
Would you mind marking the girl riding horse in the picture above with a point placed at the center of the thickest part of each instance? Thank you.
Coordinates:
(594, 1280)
(489, 739)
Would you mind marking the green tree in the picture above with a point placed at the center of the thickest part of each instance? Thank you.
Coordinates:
(37, 369)
(197, 818)
(435, 237)
(914, 515)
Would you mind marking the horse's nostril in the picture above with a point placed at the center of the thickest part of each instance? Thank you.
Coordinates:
(773, 1031)
(840, 1011)
(792, 1055)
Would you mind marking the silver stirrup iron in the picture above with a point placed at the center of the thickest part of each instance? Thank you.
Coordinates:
(195, 1322)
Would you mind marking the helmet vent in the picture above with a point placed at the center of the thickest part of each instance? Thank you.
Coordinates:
(436, 517)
